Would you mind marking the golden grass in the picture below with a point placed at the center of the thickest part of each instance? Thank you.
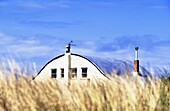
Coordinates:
(116, 94)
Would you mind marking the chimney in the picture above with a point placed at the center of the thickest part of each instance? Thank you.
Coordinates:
(136, 63)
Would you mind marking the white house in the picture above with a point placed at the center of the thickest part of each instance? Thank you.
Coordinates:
(69, 67)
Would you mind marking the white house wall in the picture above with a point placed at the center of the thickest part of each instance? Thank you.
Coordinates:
(76, 62)
(92, 71)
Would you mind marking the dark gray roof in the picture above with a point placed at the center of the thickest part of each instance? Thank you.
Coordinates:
(108, 66)
(120, 67)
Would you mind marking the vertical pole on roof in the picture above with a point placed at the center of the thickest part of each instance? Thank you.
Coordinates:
(69, 63)
(68, 47)
(69, 69)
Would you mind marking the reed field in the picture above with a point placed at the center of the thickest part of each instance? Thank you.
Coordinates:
(116, 94)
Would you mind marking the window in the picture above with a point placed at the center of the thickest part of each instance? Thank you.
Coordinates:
(84, 72)
(53, 73)
(62, 72)
(74, 72)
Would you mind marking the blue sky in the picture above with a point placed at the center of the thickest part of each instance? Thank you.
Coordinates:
(38, 30)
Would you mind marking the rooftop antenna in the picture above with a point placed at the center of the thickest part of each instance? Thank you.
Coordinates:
(69, 46)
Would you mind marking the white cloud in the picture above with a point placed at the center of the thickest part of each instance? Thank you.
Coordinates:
(23, 46)
(31, 4)
(36, 4)
(25, 50)
(159, 6)
(155, 52)
(42, 47)
(30, 42)
(6, 39)
(45, 4)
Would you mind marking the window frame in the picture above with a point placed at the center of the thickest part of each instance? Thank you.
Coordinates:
(74, 75)
(54, 74)
(62, 73)
(84, 74)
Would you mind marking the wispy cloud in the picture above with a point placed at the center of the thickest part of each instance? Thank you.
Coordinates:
(6, 39)
(31, 4)
(159, 6)
(129, 4)
(147, 42)
(36, 4)
(47, 24)
(152, 49)
(45, 4)
(22, 46)
(30, 49)
(24, 50)
(50, 4)
(103, 3)
(60, 4)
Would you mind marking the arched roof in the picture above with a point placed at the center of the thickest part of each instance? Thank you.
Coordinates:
(47, 64)
(107, 66)
(120, 67)
(102, 72)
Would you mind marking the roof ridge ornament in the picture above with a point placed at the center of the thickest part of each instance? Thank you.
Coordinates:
(69, 46)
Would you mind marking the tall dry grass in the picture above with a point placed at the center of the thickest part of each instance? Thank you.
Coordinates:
(116, 94)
